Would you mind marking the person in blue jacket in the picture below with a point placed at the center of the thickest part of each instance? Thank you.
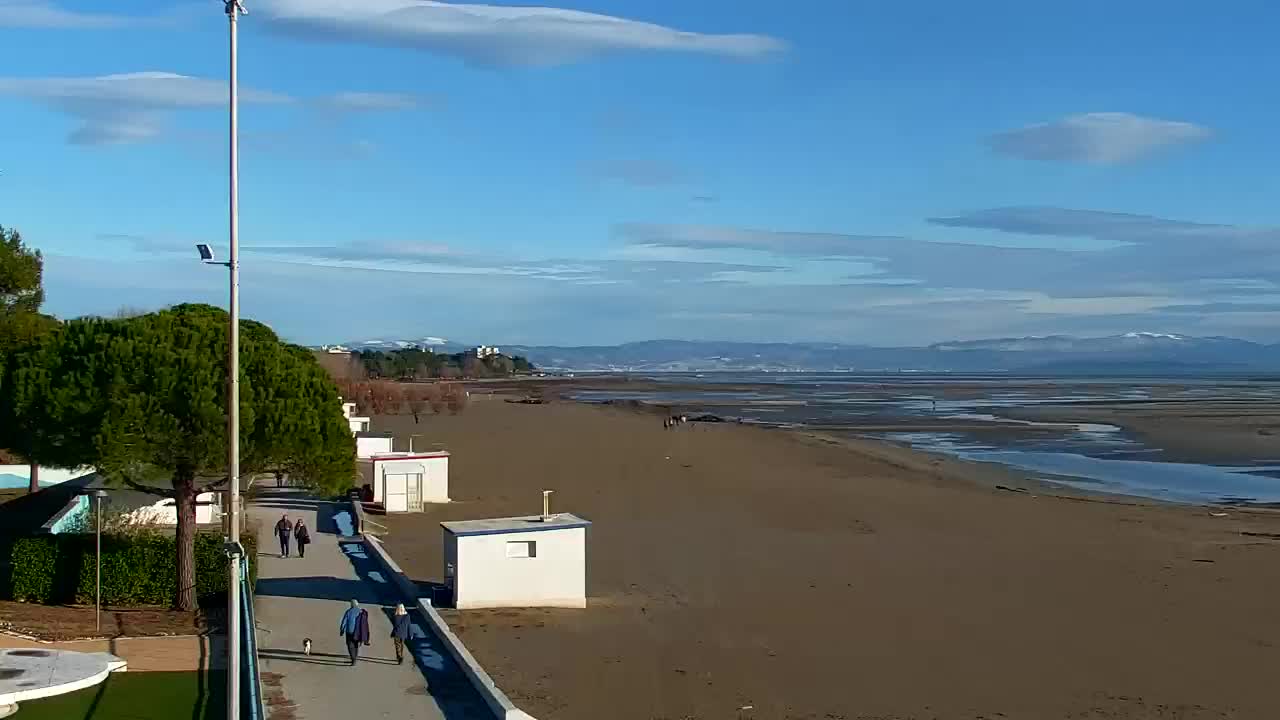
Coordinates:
(354, 627)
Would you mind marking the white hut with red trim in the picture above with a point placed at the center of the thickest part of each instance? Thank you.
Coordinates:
(406, 482)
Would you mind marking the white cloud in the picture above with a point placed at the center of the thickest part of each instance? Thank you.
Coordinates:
(1097, 138)
(43, 15)
(496, 34)
(713, 237)
(126, 108)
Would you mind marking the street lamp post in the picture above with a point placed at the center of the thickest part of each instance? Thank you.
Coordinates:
(98, 495)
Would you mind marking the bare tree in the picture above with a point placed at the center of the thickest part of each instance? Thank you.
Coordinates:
(455, 396)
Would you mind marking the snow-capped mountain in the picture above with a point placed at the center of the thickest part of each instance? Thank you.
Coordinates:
(1145, 352)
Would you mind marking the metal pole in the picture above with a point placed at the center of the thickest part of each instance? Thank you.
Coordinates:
(97, 607)
(233, 390)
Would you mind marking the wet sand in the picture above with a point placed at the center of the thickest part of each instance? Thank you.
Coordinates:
(808, 577)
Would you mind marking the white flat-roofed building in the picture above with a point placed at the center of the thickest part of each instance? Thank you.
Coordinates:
(405, 482)
(356, 423)
(369, 444)
(534, 561)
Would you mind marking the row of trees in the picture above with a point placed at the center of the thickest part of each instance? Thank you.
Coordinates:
(386, 397)
(144, 398)
(420, 364)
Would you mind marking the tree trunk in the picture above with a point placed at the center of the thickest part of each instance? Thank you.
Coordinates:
(34, 484)
(184, 595)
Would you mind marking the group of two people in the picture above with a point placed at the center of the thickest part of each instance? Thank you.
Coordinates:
(354, 628)
(298, 531)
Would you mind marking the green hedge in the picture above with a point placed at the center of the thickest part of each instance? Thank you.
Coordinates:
(137, 569)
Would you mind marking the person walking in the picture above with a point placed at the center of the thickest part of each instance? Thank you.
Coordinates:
(354, 628)
(400, 631)
(302, 537)
(284, 529)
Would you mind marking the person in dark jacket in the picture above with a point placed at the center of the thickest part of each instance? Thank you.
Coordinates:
(284, 529)
(354, 628)
(400, 631)
(302, 537)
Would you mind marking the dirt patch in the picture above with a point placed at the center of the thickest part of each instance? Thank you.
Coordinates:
(69, 622)
(278, 706)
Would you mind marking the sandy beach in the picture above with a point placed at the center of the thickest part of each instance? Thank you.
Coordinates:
(739, 572)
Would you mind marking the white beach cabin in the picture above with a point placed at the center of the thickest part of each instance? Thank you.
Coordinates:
(369, 444)
(519, 562)
(356, 423)
(403, 481)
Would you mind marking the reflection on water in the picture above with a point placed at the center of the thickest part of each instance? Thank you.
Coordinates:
(1178, 482)
(1095, 456)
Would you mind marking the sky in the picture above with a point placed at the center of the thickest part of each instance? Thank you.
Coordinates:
(604, 171)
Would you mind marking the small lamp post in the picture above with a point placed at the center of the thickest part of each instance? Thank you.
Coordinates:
(98, 496)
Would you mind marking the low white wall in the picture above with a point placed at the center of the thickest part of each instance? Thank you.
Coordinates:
(165, 511)
(492, 695)
(487, 576)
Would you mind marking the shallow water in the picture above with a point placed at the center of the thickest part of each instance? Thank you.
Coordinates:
(1177, 482)
(1091, 456)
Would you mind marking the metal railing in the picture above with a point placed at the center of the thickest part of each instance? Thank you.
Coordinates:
(250, 683)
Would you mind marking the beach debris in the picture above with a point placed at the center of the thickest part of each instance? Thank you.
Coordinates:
(1218, 514)
(1006, 488)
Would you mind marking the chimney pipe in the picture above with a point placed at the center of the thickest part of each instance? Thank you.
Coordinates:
(546, 505)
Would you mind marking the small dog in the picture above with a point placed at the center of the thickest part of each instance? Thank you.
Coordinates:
(306, 646)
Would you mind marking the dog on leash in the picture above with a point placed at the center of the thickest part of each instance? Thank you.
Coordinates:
(306, 646)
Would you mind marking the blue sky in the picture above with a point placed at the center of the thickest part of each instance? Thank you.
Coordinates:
(600, 171)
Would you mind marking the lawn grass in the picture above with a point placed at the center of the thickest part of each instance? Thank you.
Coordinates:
(138, 696)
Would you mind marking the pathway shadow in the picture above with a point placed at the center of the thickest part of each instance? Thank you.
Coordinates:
(319, 588)
(446, 682)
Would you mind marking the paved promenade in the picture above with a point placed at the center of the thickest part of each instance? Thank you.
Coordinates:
(301, 598)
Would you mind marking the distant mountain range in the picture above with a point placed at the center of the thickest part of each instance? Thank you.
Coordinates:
(1135, 352)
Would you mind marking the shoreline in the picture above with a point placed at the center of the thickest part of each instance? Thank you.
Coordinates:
(811, 576)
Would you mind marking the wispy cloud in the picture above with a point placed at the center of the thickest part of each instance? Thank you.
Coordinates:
(1115, 227)
(710, 237)
(36, 14)
(1097, 138)
(496, 34)
(126, 108)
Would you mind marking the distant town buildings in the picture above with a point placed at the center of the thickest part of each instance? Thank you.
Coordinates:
(485, 351)
(336, 349)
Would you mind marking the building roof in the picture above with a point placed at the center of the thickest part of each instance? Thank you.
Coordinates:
(374, 434)
(27, 514)
(401, 455)
(503, 526)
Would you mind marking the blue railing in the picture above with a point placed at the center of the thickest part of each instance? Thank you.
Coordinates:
(250, 682)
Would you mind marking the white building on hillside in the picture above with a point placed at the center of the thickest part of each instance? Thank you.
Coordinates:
(535, 561)
(485, 351)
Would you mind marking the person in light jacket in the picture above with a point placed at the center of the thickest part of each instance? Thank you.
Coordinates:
(354, 628)
(400, 631)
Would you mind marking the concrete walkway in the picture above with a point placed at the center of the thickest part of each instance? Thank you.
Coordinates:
(301, 598)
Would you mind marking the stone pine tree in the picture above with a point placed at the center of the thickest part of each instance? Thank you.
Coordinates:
(21, 291)
(143, 399)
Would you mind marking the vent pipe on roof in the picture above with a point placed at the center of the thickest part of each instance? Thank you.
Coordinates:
(546, 505)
